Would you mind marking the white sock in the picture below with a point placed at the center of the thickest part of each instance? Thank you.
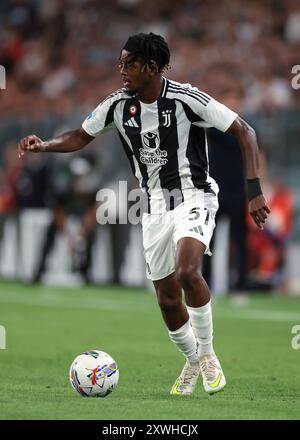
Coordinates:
(201, 320)
(185, 341)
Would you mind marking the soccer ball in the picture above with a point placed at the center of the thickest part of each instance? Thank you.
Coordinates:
(94, 373)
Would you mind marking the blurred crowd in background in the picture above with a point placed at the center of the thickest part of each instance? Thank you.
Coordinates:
(58, 53)
(61, 58)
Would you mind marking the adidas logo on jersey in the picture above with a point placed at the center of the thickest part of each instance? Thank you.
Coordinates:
(197, 229)
(131, 123)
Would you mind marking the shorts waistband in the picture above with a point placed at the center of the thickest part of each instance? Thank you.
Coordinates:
(169, 200)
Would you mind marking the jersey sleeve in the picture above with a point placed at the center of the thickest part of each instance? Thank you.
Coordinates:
(101, 119)
(211, 113)
(218, 115)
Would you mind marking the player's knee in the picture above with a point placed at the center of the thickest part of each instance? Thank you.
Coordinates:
(169, 303)
(188, 276)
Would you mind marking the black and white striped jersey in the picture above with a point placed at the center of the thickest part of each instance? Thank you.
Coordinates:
(165, 141)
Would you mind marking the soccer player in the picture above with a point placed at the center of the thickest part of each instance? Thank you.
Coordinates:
(162, 124)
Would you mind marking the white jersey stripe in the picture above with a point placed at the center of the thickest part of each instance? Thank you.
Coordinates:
(151, 142)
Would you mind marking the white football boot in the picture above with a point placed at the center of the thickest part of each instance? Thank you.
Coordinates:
(186, 382)
(212, 374)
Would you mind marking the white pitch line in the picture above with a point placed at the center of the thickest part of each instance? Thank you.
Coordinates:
(260, 315)
(59, 301)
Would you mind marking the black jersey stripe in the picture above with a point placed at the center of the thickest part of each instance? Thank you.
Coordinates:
(182, 92)
(203, 95)
(110, 114)
(164, 88)
(128, 151)
(190, 114)
(169, 173)
(112, 95)
(194, 95)
(189, 93)
(134, 135)
(197, 157)
(192, 90)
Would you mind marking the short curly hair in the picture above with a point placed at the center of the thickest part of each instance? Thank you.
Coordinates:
(150, 47)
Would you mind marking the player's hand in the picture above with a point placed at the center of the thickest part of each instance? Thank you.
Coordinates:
(259, 210)
(30, 143)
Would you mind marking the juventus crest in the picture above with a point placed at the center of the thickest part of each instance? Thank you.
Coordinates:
(166, 118)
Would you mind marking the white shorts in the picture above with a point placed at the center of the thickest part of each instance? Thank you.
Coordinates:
(195, 218)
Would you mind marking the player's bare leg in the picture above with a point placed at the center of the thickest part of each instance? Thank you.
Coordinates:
(189, 256)
(176, 317)
(188, 260)
(169, 297)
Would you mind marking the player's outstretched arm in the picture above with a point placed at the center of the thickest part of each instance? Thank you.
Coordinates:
(246, 136)
(65, 143)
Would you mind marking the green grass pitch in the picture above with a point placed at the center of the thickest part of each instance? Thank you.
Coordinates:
(46, 327)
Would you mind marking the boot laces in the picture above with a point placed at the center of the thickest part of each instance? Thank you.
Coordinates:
(189, 373)
(209, 367)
